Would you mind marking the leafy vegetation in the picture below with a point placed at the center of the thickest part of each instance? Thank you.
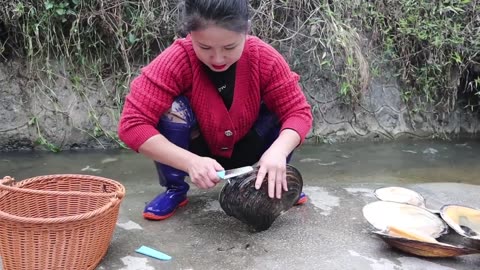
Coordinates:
(434, 45)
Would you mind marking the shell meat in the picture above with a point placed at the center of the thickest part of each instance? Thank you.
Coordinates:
(239, 198)
(400, 195)
(464, 220)
(409, 221)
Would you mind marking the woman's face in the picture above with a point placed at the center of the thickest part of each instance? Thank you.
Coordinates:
(217, 47)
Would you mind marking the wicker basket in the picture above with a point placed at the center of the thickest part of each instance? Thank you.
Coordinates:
(57, 221)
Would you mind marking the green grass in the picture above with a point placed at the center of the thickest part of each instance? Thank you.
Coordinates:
(434, 45)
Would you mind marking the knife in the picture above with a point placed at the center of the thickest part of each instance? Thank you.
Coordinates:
(227, 174)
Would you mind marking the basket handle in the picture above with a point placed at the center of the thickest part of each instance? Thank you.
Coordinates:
(7, 180)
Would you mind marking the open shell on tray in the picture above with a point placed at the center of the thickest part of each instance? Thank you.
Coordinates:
(411, 229)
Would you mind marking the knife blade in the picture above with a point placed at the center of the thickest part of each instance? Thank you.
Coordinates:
(227, 174)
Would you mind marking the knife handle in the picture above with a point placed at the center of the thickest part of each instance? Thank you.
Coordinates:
(221, 174)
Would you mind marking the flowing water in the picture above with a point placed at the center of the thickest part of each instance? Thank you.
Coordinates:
(391, 162)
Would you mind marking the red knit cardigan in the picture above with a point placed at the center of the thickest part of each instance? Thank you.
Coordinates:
(262, 74)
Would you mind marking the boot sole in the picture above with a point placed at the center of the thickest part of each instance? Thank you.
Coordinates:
(151, 216)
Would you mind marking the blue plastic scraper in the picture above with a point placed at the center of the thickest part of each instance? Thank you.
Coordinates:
(153, 253)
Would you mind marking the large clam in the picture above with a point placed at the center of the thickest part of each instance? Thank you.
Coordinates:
(240, 199)
(412, 229)
(463, 220)
(402, 195)
(383, 215)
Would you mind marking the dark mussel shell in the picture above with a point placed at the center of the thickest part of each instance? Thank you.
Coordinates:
(240, 199)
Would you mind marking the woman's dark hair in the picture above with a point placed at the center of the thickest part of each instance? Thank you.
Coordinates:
(198, 14)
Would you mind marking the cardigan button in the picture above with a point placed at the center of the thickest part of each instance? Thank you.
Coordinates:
(228, 133)
(224, 148)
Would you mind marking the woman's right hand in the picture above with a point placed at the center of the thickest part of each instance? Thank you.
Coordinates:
(203, 172)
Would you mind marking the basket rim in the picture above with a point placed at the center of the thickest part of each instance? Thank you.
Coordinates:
(116, 197)
(18, 186)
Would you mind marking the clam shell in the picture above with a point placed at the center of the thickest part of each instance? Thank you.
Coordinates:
(383, 215)
(425, 249)
(463, 220)
(240, 199)
(400, 195)
(413, 229)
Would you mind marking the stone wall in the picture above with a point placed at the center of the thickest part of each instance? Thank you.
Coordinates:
(35, 111)
(382, 115)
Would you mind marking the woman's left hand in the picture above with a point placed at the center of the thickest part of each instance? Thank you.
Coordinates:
(274, 164)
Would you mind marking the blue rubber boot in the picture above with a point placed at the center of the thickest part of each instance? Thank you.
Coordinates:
(268, 127)
(176, 126)
(165, 204)
(302, 199)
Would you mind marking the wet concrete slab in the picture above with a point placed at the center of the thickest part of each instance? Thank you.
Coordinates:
(329, 232)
